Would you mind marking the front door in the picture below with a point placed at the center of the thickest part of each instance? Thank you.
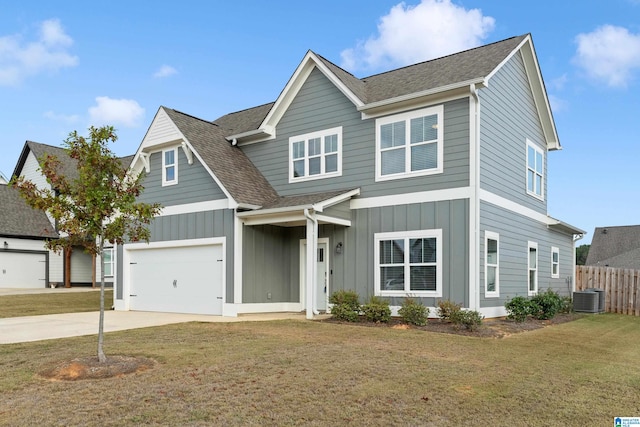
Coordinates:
(322, 271)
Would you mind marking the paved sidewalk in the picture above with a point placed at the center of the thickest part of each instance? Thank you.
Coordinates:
(53, 326)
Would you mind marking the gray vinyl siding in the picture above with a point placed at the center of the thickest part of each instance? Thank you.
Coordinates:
(508, 118)
(194, 183)
(319, 105)
(341, 210)
(353, 269)
(515, 231)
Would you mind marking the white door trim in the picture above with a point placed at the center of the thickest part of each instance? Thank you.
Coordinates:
(303, 268)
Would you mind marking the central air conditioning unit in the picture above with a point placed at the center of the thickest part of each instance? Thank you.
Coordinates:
(586, 301)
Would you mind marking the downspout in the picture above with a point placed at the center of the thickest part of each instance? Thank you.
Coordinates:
(311, 250)
(474, 208)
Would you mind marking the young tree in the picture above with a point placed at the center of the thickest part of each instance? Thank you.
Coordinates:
(98, 206)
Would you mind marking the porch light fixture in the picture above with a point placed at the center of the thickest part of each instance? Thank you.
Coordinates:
(6, 245)
(339, 248)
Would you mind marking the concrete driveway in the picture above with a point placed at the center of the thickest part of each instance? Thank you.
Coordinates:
(53, 326)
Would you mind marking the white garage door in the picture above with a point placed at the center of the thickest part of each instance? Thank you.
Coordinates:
(177, 280)
(22, 270)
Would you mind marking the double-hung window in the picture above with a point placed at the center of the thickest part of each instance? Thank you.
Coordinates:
(533, 268)
(107, 258)
(555, 262)
(408, 263)
(315, 155)
(535, 170)
(491, 265)
(409, 144)
(170, 166)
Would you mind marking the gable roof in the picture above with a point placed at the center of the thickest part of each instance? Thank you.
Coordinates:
(68, 166)
(17, 219)
(617, 247)
(237, 174)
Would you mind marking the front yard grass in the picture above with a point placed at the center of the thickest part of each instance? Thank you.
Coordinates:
(580, 373)
(53, 303)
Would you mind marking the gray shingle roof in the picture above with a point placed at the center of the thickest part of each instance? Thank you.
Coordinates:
(617, 247)
(19, 219)
(303, 200)
(459, 67)
(68, 166)
(232, 167)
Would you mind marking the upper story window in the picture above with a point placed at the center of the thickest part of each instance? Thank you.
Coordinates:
(170, 166)
(535, 170)
(491, 266)
(408, 263)
(410, 144)
(315, 155)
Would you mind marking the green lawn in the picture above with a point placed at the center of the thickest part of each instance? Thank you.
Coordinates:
(53, 303)
(580, 373)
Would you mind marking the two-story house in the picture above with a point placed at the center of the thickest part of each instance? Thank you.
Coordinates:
(428, 181)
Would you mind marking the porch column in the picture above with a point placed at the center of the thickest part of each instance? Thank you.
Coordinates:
(311, 267)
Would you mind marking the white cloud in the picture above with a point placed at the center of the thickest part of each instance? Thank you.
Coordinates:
(48, 52)
(72, 118)
(108, 111)
(165, 71)
(609, 54)
(410, 34)
(558, 104)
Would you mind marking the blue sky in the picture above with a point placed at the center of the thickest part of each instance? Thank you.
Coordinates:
(64, 67)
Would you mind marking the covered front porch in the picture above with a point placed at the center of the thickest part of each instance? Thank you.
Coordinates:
(284, 262)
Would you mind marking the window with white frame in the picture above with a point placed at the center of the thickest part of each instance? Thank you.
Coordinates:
(170, 166)
(107, 258)
(410, 144)
(491, 265)
(555, 262)
(315, 155)
(408, 263)
(533, 268)
(535, 170)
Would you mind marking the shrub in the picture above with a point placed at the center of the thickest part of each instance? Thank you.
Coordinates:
(470, 319)
(345, 305)
(545, 305)
(518, 308)
(447, 309)
(377, 310)
(566, 305)
(413, 312)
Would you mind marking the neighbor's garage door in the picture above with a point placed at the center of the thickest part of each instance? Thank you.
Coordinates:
(22, 270)
(177, 280)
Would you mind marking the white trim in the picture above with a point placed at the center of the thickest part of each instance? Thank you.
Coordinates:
(303, 268)
(273, 307)
(174, 181)
(209, 205)
(555, 250)
(322, 156)
(474, 199)
(406, 117)
(409, 198)
(333, 220)
(238, 244)
(493, 236)
(537, 150)
(494, 199)
(533, 245)
(112, 262)
(319, 207)
(406, 235)
(492, 312)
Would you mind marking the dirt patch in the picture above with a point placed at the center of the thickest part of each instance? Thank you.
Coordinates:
(89, 368)
(490, 328)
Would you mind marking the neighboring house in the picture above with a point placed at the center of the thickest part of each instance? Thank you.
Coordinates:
(617, 247)
(429, 181)
(24, 262)
(80, 267)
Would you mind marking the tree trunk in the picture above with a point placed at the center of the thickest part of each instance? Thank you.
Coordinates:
(67, 267)
(101, 357)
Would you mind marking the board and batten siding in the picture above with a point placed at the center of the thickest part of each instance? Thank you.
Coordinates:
(184, 227)
(515, 231)
(320, 105)
(508, 119)
(194, 183)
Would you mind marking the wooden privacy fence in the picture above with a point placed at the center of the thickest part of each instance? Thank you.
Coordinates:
(621, 285)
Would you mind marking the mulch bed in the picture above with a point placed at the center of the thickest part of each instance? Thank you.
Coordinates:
(490, 328)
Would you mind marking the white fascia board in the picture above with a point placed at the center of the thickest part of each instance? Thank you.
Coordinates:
(293, 86)
(409, 198)
(264, 133)
(440, 94)
(494, 199)
(209, 205)
(333, 220)
(274, 211)
(319, 207)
